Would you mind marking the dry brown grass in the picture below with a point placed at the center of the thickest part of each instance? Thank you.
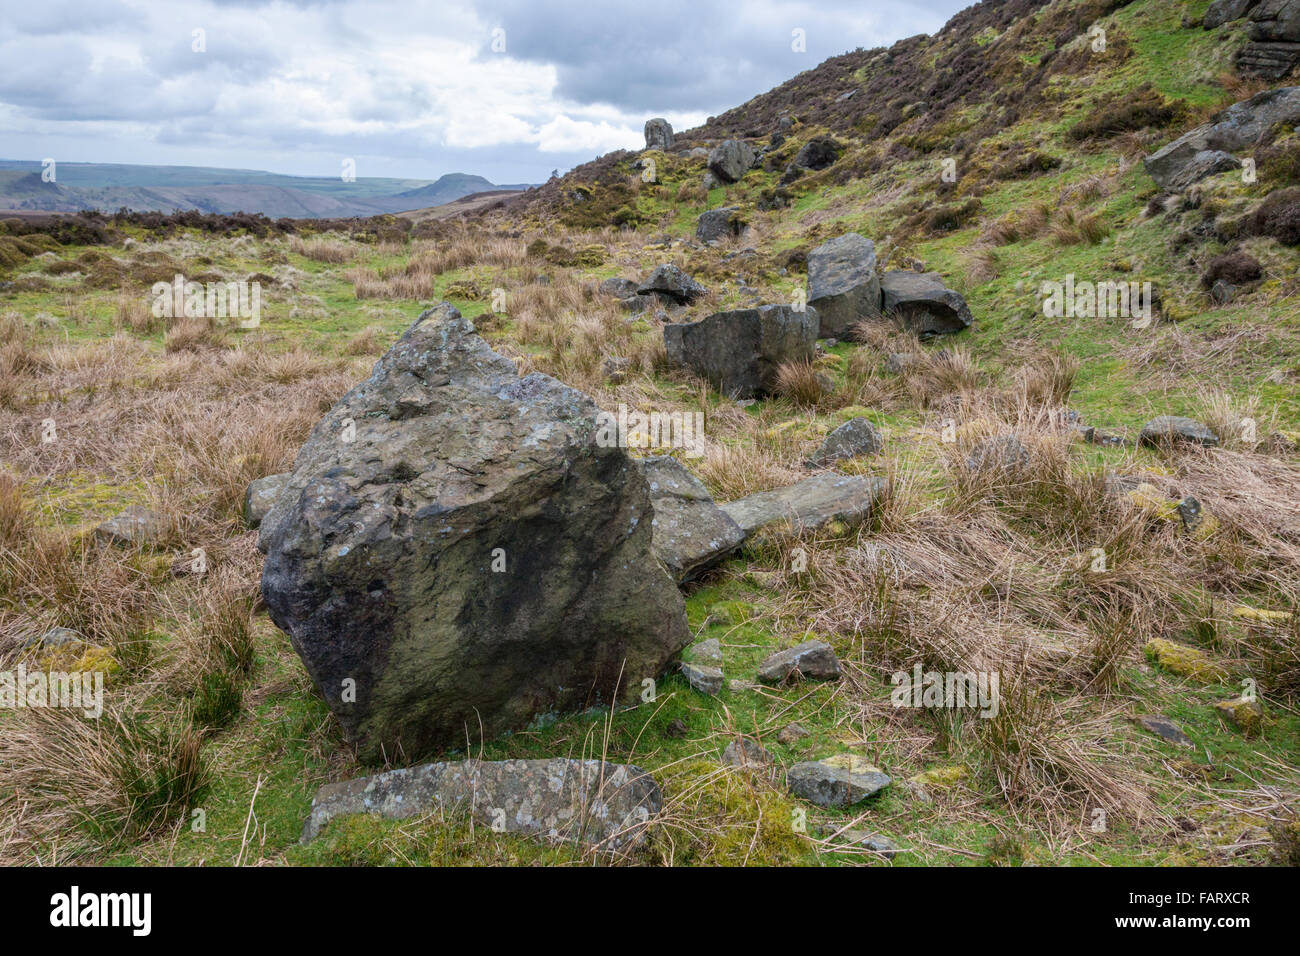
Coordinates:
(331, 249)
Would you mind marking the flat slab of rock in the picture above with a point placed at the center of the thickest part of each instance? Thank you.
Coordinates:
(691, 533)
(809, 504)
(1175, 428)
(261, 495)
(1239, 126)
(134, 525)
(855, 437)
(670, 282)
(1165, 729)
(740, 351)
(924, 303)
(827, 785)
(814, 660)
(457, 550)
(843, 284)
(582, 801)
(705, 678)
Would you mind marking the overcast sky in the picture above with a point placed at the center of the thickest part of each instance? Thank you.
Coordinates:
(509, 89)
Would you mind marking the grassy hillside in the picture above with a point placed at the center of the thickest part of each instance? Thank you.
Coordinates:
(210, 709)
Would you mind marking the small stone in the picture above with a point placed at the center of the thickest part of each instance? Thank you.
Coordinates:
(710, 650)
(744, 752)
(703, 677)
(677, 728)
(1189, 509)
(1165, 729)
(811, 659)
(737, 686)
(1004, 453)
(57, 637)
(134, 525)
(855, 437)
(874, 842)
(671, 282)
(826, 785)
(1183, 660)
(791, 734)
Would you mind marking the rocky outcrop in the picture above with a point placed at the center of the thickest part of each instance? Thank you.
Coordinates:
(457, 553)
(1274, 47)
(658, 134)
(843, 285)
(729, 161)
(739, 351)
(809, 504)
(717, 223)
(1225, 11)
(581, 801)
(923, 303)
(1238, 127)
(691, 533)
(670, 282)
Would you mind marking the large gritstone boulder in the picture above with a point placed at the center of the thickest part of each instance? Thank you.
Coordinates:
(456, 552)
(843, 285)
(1239, 126)
(658, 134)
(924, 303)
(740, 351)
(731, 160)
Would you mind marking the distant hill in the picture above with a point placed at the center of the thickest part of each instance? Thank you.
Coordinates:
(109, 187)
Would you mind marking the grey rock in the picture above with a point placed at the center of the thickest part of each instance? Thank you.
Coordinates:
(828, 786)
(1238, 127)
(874, 842)
(670, 282)
(1276, 21)
(658, 134)
(809, 504)
(691, 533)
(813, 660)
(381, 552)
(730, 160)
(615, 368)
(924, 303)
(1222, 292)
(818, 153)
(1175, 428)
(855, 437)
(710, 181)
(134, 525)
(739, 351)
(1207, 162)
(843, 285)
(705, 678)
(1166, 729)
(580, 801)
(1004, 453)
(746, 753)
(618, 287)
(1225, 11)
(709, 651)
(1269, 61)
(897, 362)
(1189, 510)
(261, 495)
(57, 637)
(717, 223)
(791, 734)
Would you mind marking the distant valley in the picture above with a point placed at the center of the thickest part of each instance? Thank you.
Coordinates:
(109, 187)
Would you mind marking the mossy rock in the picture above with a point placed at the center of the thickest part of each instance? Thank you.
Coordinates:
(1246, 715)
(729, 612)
(1185, 661)
(941, 778)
